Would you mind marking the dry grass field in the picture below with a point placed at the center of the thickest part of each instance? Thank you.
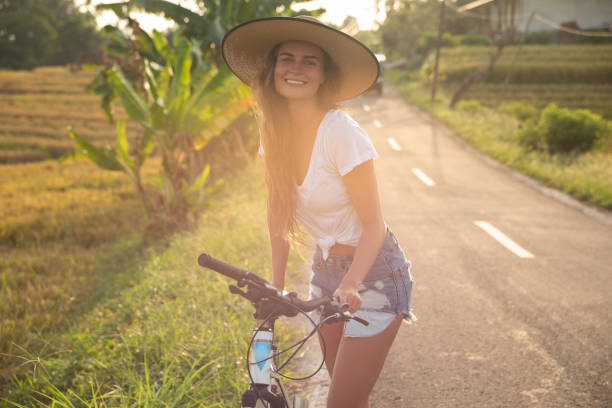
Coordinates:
(37, 107)
(59, 223)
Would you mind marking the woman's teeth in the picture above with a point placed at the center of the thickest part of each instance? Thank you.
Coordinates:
(294, 82)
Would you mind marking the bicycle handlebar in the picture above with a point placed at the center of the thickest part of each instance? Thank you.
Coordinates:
(287, 304)
(223, 268)
(274, 294)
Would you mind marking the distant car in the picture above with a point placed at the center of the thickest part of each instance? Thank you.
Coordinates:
(377, 86)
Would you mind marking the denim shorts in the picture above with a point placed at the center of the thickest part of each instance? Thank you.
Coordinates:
(385, 291)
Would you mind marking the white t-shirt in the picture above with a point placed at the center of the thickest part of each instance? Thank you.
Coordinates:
(324, 206)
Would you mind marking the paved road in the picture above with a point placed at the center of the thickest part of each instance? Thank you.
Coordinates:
(523, 323)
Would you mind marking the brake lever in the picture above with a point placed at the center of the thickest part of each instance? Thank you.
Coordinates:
(360, 320)
(233, 289)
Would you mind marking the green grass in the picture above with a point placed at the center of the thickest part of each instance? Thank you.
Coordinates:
(154, 328)
(58, 224)
(587, 177)
(572, 76)
(595, 97)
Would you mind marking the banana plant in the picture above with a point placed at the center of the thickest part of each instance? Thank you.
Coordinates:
(180, 109)
(122, 158)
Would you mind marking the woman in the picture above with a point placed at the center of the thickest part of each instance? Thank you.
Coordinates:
(319, 171)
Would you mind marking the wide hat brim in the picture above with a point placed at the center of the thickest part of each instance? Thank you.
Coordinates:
(246, 47)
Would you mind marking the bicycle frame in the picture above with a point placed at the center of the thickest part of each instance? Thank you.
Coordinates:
(266, 389)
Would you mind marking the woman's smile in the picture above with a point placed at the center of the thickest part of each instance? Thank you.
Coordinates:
(294, 82)
(298, 71)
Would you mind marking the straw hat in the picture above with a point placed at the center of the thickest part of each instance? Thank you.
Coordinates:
(246, 48)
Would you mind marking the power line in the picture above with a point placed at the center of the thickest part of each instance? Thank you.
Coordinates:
(559, 27)
(472, 14)
(473, 4)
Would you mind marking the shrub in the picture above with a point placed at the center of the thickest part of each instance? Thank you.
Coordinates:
(563, 130)
(470, 105)
(593, 39)
(473, 39)
(428, 41)
(539, 37)
(520, 110)
(530, 136)
(572, 130)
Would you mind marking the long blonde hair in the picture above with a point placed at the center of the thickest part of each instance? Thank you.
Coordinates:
(275, 128)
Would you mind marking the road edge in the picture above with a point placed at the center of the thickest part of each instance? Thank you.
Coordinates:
(597, 213)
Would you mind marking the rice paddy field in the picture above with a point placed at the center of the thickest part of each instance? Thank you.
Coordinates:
(70, 235)
(59, 223)
(37, 107)
(573, 76)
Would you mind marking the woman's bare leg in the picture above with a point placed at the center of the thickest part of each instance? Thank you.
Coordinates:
(333, 335)
(357, 365)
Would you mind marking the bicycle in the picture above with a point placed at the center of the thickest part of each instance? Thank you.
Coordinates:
(266, 389)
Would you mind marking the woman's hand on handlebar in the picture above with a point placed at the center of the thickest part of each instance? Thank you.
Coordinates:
(349, 295)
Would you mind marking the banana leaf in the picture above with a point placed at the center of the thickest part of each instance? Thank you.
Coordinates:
(133, 103)
(104, 159)
(146, 147)
(198, 183)
(180, 89)
(122, 149)
(213, 121)
(181, 15)
(102, 87)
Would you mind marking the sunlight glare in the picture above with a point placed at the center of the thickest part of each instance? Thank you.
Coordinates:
(365, 11)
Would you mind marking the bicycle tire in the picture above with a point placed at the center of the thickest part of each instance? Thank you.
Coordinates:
(299, 402)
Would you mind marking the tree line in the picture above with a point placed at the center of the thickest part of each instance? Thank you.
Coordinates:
(44, 32)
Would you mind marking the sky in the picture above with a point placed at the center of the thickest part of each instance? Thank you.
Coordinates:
(337, 10)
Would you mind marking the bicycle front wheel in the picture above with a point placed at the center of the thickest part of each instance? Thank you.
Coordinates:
(299, 402)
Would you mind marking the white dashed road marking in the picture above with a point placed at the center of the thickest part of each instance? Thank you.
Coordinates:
(366, 108)
(393, 143)
(504, 240)
(377, 123)
(423, 177)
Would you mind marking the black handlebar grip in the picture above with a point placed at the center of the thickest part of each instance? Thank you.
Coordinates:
(223, 268)
(360, 320)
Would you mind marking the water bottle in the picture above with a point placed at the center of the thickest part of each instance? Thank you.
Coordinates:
(260, 364)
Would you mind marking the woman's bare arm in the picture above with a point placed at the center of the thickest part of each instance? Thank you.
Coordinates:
(363, 190)
(280, 254)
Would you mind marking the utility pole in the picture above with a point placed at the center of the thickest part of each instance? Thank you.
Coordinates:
(516, 54)
(438, 45)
